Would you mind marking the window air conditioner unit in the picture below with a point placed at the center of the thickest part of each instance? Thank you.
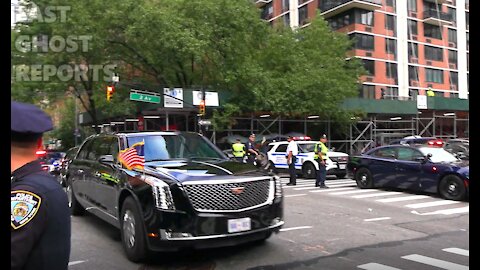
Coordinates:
(452, 44)
(453, 66)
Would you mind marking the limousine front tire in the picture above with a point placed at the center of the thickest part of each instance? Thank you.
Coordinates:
(132, 231)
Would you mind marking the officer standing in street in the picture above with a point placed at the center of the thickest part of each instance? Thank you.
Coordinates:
(40, 215)
(252, 152)
(321, 158)
(238, 150)
(292, 152)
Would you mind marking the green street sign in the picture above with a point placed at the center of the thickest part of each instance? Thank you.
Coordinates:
(144, 97)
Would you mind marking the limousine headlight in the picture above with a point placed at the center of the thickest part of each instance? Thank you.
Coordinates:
(161, 193)
(278, 187)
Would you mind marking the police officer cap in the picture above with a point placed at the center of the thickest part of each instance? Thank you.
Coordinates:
(323, 136)
(28, 122)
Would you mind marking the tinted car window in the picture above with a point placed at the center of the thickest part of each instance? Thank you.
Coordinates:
(158, 147)
(282, 148)
(385, 153)
(408, 154)
(306, 147)
(85, 149)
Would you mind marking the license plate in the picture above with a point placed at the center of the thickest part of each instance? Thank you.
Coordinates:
(341, 166)
(239, 225)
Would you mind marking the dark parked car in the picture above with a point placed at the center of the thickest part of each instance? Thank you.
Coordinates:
(416, 168)
(189, 194)
(458, 147)
(66, 160)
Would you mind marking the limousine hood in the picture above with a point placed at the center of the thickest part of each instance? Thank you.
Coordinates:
(201, 170)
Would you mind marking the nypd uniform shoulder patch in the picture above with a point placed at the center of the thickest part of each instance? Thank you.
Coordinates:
(24, 206)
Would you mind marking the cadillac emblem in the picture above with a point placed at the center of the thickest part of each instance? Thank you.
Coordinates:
(237, 190)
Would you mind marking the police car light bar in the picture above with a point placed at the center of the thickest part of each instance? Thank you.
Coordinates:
(438, 143)
(302, 138)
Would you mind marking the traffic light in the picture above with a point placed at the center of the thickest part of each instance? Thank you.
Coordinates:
(110, 90)
(201, 107)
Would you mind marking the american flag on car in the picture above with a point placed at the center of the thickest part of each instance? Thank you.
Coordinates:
(133, 157)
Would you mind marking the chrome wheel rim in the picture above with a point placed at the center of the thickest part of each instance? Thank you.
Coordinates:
(452, 188)
(363, 179)
(129, 228)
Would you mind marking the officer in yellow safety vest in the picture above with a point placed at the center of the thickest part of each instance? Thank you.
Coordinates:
(430, 93)
(321, 158)
(238, 150)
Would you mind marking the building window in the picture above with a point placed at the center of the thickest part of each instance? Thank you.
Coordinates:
(364, 17)
(267, 12)
(362, 41)
(369, 66)
(467, 20)
(452, 14)
(391, 70)
(432, 31)
(413, 73)
(412, 27)
(468, 40)
(391, 92)
(452, 35)
(286, 19)
(389, 22)
(452, 57)
(468, 61)
(453, 94)
(391, 46)
(413, 93)
(433, 53)
(303, 15)
(454, 78)
(368, 91)
(285, 5)
(390, 3)
(412, 50)
(412, 5)
(434, 75)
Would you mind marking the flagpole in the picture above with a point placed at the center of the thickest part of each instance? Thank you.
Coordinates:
(143, 140)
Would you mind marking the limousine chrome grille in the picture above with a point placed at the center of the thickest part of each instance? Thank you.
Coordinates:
(230, 195)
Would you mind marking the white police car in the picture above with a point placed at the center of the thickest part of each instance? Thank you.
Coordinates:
(305, 164)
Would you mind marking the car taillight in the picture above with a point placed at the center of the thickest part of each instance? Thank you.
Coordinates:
(45, 168)
(40, 152)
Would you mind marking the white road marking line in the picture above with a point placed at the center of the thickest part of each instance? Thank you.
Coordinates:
(375, 219)
(376, 266)
(390, 193)
(294, 195)
(312, 186)
(444, 211)
(330, 189)
(296, 228)
(306, 188)
(458, 251)
(353, 191)
(297, 185)
(430, 204)
(435, 262)
(405, 198)
(75, 262)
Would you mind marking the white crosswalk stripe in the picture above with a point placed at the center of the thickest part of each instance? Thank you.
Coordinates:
(331, 189)
(403, 198)
(430, 204)
(376, 266)
(417, 258)
(379, 194)
(435, 262)
(353, 191)
(458, 251)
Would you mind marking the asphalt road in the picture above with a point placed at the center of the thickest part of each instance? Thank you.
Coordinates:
(338, 228)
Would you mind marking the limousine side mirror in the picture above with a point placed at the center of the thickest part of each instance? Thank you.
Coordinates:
(106, 159)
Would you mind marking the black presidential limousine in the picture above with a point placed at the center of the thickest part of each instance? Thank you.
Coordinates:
(189, 194)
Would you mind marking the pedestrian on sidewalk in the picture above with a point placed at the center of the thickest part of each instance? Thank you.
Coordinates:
(321, 158)
(292, 152)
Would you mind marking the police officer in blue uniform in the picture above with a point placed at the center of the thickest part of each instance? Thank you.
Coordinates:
(40, 216)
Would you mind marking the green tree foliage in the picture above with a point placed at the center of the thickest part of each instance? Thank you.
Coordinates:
(216, 44)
